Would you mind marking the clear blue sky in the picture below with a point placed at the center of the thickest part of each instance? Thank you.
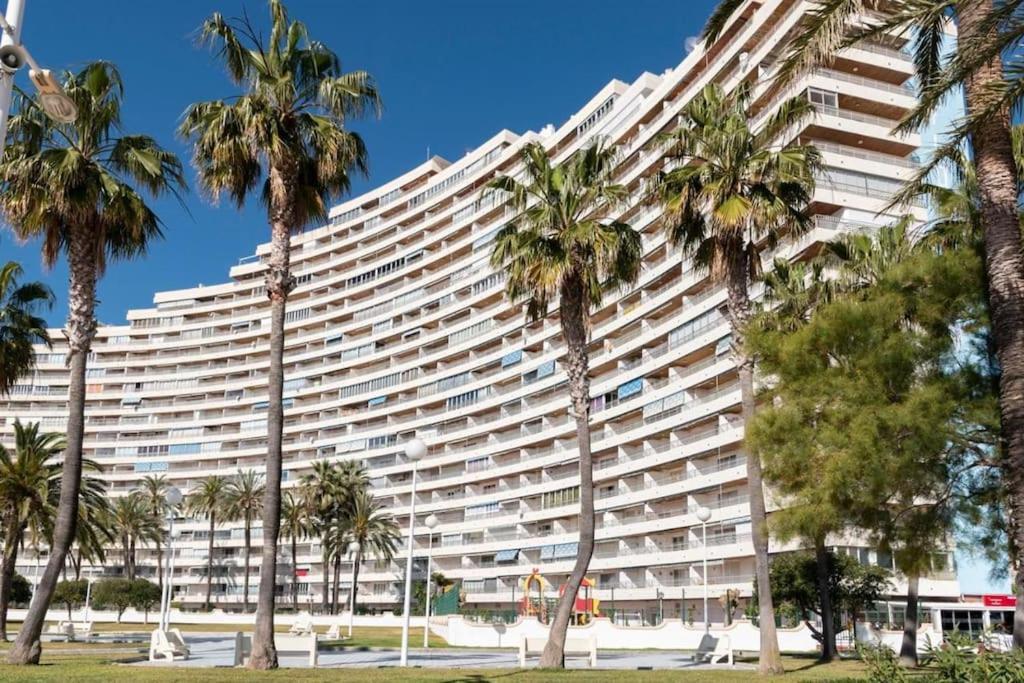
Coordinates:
(452, 73)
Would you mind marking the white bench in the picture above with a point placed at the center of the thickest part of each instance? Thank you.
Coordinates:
(62, 628)
(285, 645)
(303, 626)
(169, 645)
(334, 632)
(574, 647)
(70, 629)
(722, 650)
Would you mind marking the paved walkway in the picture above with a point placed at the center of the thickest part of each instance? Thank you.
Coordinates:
(215, 649)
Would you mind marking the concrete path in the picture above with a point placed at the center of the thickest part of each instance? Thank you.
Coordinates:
(217, 649)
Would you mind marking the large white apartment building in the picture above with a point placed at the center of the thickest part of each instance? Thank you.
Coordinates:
(399, 327)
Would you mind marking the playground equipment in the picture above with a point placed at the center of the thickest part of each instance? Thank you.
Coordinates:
(584, 608)
(534, 606)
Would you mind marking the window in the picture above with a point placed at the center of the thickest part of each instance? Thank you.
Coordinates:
(823, 98)
(553, 499)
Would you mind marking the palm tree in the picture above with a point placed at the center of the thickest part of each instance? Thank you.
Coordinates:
(154, 490)
(328, 492)
(28, 477)
(93, 532)
(295, 524)
(734, 192)
(289, 127)
(987, 34)
(373, 529)
(73, 186)
(210, 499)
(20, 327)
(245, 502)
(562, 244)
(132, 523)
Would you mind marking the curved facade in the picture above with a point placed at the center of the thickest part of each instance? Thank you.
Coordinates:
(399, 327)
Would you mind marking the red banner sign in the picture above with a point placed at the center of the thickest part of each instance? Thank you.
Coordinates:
(999, 600)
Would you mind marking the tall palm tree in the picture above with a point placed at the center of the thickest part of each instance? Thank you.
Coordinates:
(28, 477)
(986, 66)
(20, 327)
(288, 127)
(154, 491)
(210, 499)
(295, 524)
(74, 187)
(735, 191)
(93, 533)
(328, 491)
(563, 243)
(132, 523)
(245, 502)
(374, 529)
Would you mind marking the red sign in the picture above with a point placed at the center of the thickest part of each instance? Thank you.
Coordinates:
(999, 600)
(301, 572)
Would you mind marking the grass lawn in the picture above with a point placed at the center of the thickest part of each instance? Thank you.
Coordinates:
(104, 662)
(58, 667)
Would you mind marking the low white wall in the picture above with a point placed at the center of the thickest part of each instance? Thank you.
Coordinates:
(216, 616)
(672, 634)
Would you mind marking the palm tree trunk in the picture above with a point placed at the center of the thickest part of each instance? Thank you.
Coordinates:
(248, 552)
(81, 328)
(131, 558)
(279, 283)
(573, 311)
(908, 650)
(353, 593)
(209, 559)
(325, 575)
(828, 620)
(11, 542)
(295, 585)
(337, 584)
(1004, 265)
(770, 662)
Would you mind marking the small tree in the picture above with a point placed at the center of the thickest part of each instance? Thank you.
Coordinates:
(852, 587)
(115, 594)
(143, 596)
(21, 590)
(71, 594)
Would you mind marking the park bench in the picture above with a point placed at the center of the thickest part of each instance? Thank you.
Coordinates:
(334, 633)
(303, 626)
(285, 644)
(574, 647)
(169, 645)
(722, 650)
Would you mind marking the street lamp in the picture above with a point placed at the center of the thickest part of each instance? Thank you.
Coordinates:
(173, 498)
(353, 551)
(415, 449)
(13, 55)
(430, 522)
(704, 514)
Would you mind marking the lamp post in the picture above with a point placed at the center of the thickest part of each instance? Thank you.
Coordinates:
(414, 451)
(353, 551)
(704, 514)
(13, 55)
(430, 522)
(173, 497)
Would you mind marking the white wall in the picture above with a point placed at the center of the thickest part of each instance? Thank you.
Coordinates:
(216, 616)
(672, 634)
